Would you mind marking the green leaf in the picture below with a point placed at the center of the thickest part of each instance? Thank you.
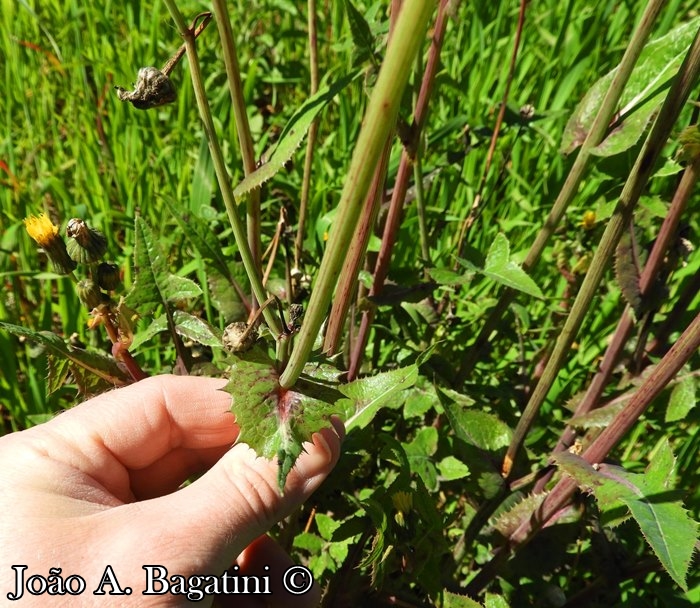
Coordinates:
(480, 429)
(82, 363)
(454, 600)
(665, 524)
(194, 328)
(682, 400)
(509, 520)
(419, 453)
(367, 395)
(499, 267)
(361, 34)
(153, 283)
(495, 601)
(451, 468)
(292, 135)
(657, 64)
(275, 422)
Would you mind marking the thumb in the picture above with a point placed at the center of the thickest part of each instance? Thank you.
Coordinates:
(237, 500)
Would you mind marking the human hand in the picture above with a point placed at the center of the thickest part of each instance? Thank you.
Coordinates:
(97, 487)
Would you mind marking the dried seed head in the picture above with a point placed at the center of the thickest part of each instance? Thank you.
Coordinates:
(152, 89)
(108, 276)
(45, 234)
(90, 294)
(87, 245)
(239, 337)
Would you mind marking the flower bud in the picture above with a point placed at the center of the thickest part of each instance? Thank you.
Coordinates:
(87, 245)
(90, 294)
(108, 276)
(45, 234)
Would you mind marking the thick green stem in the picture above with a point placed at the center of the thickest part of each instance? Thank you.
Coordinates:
(378, 121)
(222, 175)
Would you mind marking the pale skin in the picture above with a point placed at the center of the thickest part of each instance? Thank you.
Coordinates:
(99, 485)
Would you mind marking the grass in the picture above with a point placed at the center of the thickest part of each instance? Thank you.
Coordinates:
(71, 149)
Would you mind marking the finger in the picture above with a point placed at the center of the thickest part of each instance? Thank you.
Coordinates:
(236, 501)
(164, 425)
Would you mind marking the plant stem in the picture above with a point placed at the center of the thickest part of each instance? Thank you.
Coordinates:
(239, 232)
(398, 195)
(650, 272)
(379, 119)
(573, 180)
(311, 138)
(677, 96)
(245, 139)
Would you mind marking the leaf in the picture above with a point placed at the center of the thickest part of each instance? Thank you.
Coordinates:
(275, 422)
(682, 400)
(507, 522)
(499, 267)
(599, 417)
(665, 524)
(478, 428)
(153, 283)
(657, 64)
(454, 600)
(292, 135)
(367, 395)
(627, 271)
(450, 468)
(194, 328)
(96, 364)
(361, 34)
(419, 453)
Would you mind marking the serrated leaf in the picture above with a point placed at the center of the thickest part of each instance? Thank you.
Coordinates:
(59, 368)
(682, 400)
(275, 421)
(644, 92)
(495, 601)
(454, 600)
(664, 523)
(292, 135)
(367, 395)
(627, 271)
(480, 429)
(361, 33)
(499, 267)
(95, 365)
(154, 284)
(507, 522)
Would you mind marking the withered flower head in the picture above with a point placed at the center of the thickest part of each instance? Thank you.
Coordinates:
(87, 245)
(152, 89)
(239, 337)
(45, 234)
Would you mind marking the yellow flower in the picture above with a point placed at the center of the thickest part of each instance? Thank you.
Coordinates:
(41, 229)
(45, 233)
